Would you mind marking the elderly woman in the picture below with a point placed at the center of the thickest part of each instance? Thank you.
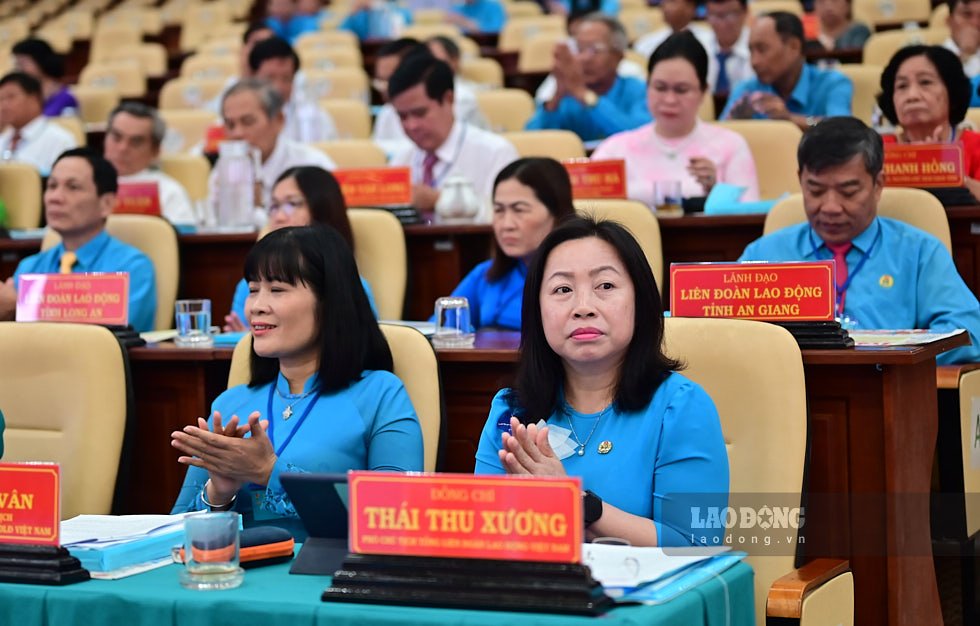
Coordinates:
(677, 146)
(926, 93)
(321, 397)
(530, 196)
(596, 397)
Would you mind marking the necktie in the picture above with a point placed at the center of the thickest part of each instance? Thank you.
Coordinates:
(840, 251)
(721, 85)
(68, 260)
(428, 179)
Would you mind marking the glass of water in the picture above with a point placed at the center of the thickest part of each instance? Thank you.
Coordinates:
(211, 552)
(193, 318)
(453, 328)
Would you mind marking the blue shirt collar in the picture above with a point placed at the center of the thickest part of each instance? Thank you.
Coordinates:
(801, 92)
(89, 252)
(862, 242)
(311, 383)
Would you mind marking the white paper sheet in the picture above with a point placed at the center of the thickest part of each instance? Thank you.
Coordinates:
(626, 566)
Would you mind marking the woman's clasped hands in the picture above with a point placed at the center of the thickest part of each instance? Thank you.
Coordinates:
(527, 451)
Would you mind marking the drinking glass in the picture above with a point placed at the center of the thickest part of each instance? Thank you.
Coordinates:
(211, 552)
(453, 328)
(193, 318)
(667, 195)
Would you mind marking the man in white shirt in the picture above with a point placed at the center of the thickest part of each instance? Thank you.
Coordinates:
(964, 34)
(678, 15)
(132, 145)
(29, 137)
(421, 92)
(274, 60)
(727, 45)
(252, 112)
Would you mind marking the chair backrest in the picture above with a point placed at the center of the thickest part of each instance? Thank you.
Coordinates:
(867, 84)
(156, 238)
(73, 125)
(352, 118)
(760, 7)
(536, 53)
(754, 373)
(915, 207)
(20, 188)
(185, 127)
(639, 220)
(882, 46)
(557, 144)
(969, 390)
(202, 20)
(939, 15)
(641, 20)
(706, 112)
(353, 153)
(152, 57)
(518, 30)
(205, 66)
(63, 393)
(423, 32)
(379, 248)
(95, 103)
(190, 93)
(330, 58)
(506, 110)
(521, 9)
(127, 78)
(221, 47)
(773, 145)
(340, 82)
(191, 171)
(327, 39)
(874, 12)
(482, 71)
(415, 364)
(106, 38)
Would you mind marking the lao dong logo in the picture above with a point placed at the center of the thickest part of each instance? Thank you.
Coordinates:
(745, 517)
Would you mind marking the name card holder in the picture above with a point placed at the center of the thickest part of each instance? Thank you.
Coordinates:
(372, 187)
(455, 540)
(96, 298)
(138, 198)
(593, 180)
(923, 165)
(30, 519)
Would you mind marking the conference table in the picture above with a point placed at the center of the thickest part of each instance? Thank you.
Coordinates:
(272, 597)
(873, 426)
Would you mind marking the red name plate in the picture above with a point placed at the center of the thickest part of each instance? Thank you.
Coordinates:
(924, 165)
(460, 515)
(597, 179)
(78, 298)
(213, 136)
(755, 291)
(138, 198)
(375, 186)
(30, 503)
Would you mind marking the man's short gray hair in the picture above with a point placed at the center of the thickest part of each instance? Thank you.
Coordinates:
(269, 99)
(144, 112)
(617, 34)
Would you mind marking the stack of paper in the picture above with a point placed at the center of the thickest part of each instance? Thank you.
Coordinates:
(110, 546)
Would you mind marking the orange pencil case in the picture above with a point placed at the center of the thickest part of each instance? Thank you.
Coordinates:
(258, 546)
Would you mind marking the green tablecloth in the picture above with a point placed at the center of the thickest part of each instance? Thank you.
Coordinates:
(271, 597)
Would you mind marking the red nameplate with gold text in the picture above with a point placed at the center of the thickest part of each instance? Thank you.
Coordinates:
(597, 179)
(138, 198)
(30, 503)
(99, 298)
(754, 291)
(461, 515)
(924, 165)
(375, 186)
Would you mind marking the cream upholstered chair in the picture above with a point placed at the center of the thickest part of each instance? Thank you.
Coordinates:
(639, 220)
(916, 207)
(329, 58)
(557, 144)
(483, 71)
(186, 127)
(204, 66)
(506, 110)
(641, 20)
(939, 15)
(340, 82)
(867, 84)
(127, 78)
(536, 53)
(190, 93)
(416, 366)
(969, 389)
(73, 125)
(760, 7)
(152, 57)
(95, 103)
(156, 238)
(63, 393)
(706, 112)
(873, 12)
(773, 144)
(764, 420)
(20, 188)
(353, 153)
(191, 171)
(518, 30)
(882, 46)
(379, 248)
(351, 118)
(327, 39)
(422, 32)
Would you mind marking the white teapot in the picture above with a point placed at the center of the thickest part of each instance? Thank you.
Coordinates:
(458, 201)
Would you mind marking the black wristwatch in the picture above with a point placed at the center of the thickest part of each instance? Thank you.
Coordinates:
(591, 508)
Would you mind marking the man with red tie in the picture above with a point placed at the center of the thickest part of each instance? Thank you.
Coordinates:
(889, 275)
(30, 137)
(421, 91)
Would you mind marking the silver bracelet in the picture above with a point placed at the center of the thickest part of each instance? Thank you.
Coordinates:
(216, 507)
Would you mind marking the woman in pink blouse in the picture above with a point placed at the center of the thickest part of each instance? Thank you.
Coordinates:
(677, 146)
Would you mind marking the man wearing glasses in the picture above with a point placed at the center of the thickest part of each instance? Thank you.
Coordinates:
(590, 98)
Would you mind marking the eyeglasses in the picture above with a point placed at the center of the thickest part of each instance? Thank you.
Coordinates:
(288, 207)
(680, 89)
(587, 49)
(727, 16)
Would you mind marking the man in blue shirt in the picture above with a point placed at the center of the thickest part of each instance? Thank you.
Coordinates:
(591, 99)
(889, 274)
(478, 16)
(79, 197)
(368, 21)
(786, 87)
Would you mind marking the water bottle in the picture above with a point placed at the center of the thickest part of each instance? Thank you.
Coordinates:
(236, 178)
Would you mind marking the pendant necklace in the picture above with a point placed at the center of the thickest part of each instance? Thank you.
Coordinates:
(669, 151)
(288, 411)
(578, 442)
